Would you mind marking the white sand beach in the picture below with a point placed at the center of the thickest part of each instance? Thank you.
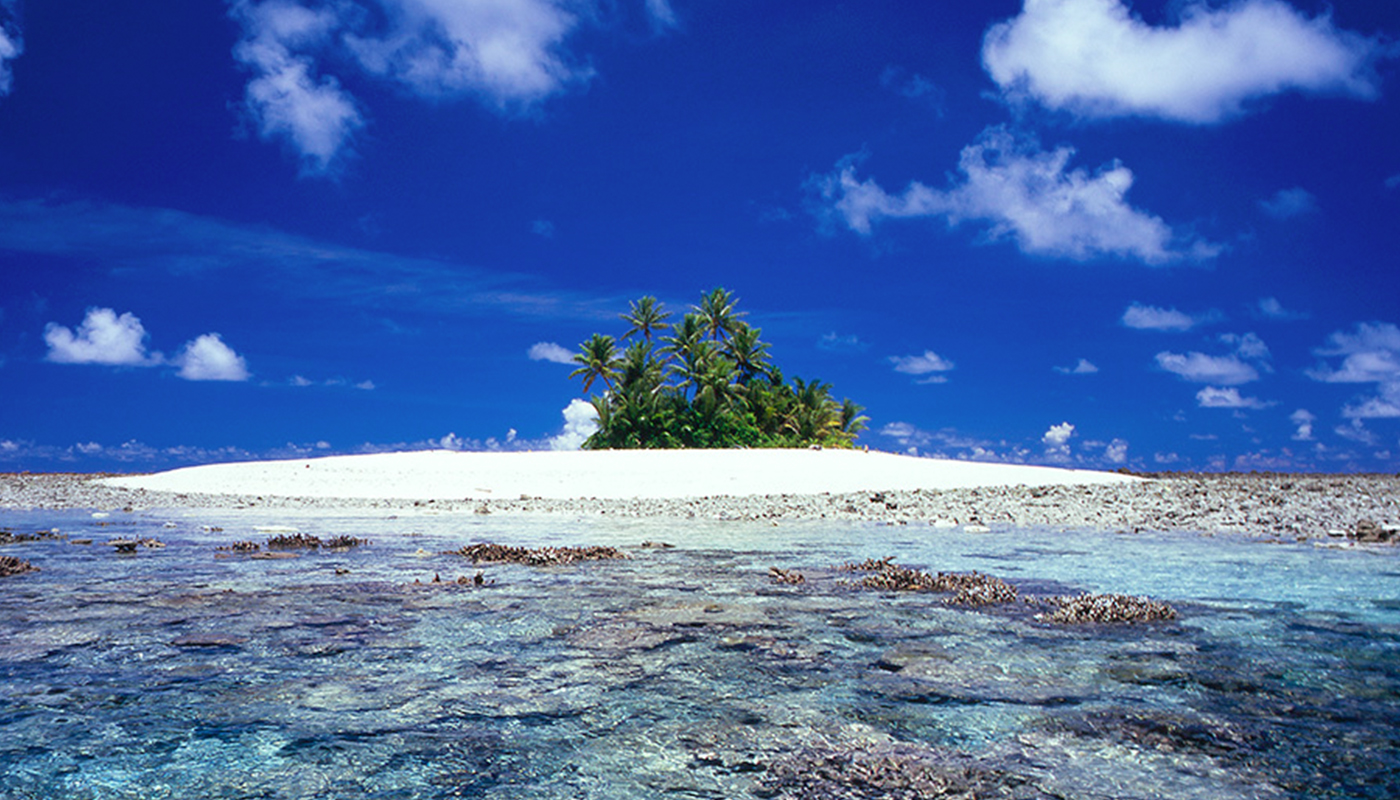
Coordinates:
(610, 474)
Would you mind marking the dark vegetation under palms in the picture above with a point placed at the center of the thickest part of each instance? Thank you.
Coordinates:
(705, 381)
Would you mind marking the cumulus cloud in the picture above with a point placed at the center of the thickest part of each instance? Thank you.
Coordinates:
(1211, 397)
(1058, 435)
(1056, 441)
(1096, 59)
(207, 358)
(1201, 368)
(551, 352)
(286, 98)
(1247, 345)
(1151, 318)
(1370, 354)
(1084, 367)
(1303, 419)
(1289, 203)
(11, 45)
(1116, 452)
(580, 422)
(929, 366)
(1020, 192)
(102, 338)
(507, 55)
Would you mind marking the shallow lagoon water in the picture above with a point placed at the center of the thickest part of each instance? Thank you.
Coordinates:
(683, 671)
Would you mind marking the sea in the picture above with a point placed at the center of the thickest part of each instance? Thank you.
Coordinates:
(399, 669)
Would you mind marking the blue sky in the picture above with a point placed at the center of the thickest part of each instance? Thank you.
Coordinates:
(1082, 232)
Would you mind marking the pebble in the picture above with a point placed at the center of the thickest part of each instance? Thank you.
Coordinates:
(1273, 505)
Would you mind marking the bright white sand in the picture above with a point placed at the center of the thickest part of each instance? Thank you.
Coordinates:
(606, 474)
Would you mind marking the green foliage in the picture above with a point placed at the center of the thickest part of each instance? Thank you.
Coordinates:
(706, 382)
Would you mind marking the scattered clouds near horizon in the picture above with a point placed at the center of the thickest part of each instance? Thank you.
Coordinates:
(928, 367)
(1151, 318)
(507, 56)
(1096, 59)
(1370, 354)
(11, 45)
(1083, 367)
(1021, 192)
(105, 338)
(1286, 204)
(551, 352)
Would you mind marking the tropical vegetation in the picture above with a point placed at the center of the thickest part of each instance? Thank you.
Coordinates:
(704, 381)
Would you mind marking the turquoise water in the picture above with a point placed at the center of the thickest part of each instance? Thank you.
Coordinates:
(683, 671)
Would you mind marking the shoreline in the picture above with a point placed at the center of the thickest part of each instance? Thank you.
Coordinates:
(1272, 506)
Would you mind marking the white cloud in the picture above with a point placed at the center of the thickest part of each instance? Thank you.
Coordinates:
(1116, 452)
(508, 54)
(285, 97)
(1211, 397)
(102, 338)
(1371, 354)
(580, 422)
(1058, 435)
(1201, 368)
(1021, 192)
(1095, 58)
(1271, 308)
(1356, 432)
(542, 228)
(662, 16)
(1084, 367)
(1304, 419)
(549, 351)
(11, 45)
(1151, 318)
(207, 358)
(367, 386)
(930, 365)
(1289, 203)
(1393, 181)
(1247, 345)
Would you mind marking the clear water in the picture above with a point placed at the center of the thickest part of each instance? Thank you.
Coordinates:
(682, 671)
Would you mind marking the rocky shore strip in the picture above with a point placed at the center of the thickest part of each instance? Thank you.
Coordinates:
(1270, 505)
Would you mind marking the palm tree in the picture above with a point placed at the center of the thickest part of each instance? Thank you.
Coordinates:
(748, 352)
(596, 359)
(648, 314)
(717, 311)
(852, 421)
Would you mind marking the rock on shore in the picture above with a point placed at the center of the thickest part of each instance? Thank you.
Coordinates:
(1269, 505)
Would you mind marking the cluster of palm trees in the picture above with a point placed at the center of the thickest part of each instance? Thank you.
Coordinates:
(704, 381)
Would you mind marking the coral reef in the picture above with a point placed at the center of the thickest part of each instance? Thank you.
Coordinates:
(8, 536)
(9, 565)
(968, 588)
(791, 577)
(535, 557)
(239, 547)
(1107, 608)
(890, 772)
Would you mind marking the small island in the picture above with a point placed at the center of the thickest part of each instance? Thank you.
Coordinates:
(705, 381)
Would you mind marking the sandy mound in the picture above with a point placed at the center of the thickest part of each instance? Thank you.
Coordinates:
(615, 474)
